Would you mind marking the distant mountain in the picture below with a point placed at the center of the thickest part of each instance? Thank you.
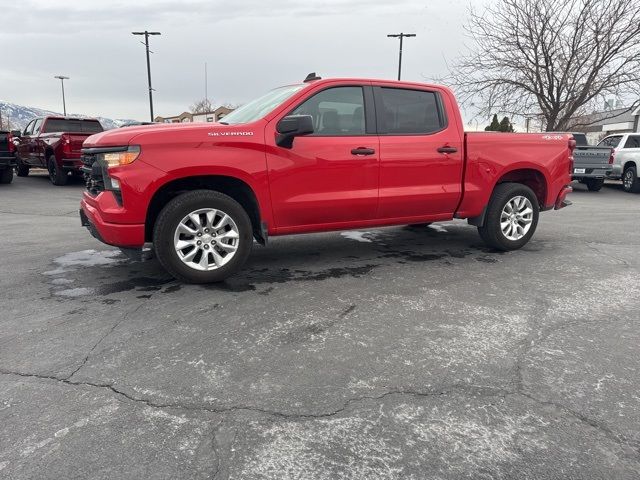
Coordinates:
(19, 116)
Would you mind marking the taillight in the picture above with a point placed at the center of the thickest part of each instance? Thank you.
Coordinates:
(572, 147)
(66, 143)
(612, 156)
(12, 146)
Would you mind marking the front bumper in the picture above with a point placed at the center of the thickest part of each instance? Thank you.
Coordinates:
(116, 234)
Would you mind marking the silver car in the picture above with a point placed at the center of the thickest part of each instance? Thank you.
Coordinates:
(626, 159)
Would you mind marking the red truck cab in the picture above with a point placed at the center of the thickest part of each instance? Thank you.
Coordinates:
(321, 155)
(54, 143)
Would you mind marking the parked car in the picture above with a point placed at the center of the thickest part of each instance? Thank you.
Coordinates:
(626, 159)
(54, 143)
(321, 155)
(7, 156)
(591, 164)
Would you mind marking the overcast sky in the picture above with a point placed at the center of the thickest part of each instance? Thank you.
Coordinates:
(250, 46)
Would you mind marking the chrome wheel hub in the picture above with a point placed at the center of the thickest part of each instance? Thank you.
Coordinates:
(628, 179)
(206, 239)
(516, 218)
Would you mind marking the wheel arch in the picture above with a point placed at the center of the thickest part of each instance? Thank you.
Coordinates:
(235, 188)
(628, 164)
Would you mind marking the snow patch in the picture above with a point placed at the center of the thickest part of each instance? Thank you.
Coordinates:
(357, 236)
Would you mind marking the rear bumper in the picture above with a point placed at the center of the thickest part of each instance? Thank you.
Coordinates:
(562, 201)
(590, 171)
(71, 164)
(118, 235)
(7, 160)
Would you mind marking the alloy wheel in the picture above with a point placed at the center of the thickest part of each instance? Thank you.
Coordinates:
(516, 218)
(206, 239)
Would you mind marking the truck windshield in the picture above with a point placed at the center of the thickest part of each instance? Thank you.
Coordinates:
(258, 108)
(62, 125)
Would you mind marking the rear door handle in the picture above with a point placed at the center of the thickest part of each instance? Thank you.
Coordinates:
(446, 149)
(363, 151)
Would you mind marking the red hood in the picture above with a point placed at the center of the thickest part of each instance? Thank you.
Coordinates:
(192, 131)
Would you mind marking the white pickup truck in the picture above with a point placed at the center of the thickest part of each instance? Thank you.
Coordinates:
(590, 164)
(626, 159)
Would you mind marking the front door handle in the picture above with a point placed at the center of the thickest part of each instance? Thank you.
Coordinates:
(363, 151)
(447, 149)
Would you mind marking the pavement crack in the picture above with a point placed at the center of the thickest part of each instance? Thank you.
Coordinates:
(101, 339)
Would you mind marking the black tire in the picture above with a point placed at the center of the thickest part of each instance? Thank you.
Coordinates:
(594, 184)
(56, 174)
(22, 170)
(6, 175)
(630, 182)
(491, 232)
(171, 216)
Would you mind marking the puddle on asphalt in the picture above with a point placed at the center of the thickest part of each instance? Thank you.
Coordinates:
(105, 272)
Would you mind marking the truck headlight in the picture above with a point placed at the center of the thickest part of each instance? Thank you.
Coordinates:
(118, 159)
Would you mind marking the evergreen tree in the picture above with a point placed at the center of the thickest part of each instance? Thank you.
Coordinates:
(505, 125)
(494, 126)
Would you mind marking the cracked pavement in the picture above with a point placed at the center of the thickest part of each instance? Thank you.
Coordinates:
(395, 353)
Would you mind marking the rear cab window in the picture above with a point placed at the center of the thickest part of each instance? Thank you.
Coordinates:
(611, 141)
(61, 125)
(402, 111)
(632, 142)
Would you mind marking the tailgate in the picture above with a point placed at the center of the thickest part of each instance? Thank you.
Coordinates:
(4, 142)
(76, 140)
(591, 157)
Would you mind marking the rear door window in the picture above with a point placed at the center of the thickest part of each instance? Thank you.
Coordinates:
(61, 125)
(632, 142)
(37, 126)
(408, 112)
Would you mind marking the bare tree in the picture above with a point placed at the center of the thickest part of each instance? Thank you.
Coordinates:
(201, 106)
(556, 59)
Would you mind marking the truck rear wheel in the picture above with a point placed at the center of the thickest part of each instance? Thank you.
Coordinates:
(511, 218)
(594, 184)
(6, 175)
(22, 170)
(630, 182)
(203, 236)
(56, 174)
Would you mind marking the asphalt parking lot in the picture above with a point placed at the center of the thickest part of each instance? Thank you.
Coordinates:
(395, 353)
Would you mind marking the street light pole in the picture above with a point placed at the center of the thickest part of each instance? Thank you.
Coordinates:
(401, 36)
(62, 78)
(146, 44)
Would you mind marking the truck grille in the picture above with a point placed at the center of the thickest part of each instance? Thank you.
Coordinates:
(93, 173)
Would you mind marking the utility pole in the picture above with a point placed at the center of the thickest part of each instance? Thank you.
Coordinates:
(401, 36)
(62, 78)
(206, 93)
(146, 44)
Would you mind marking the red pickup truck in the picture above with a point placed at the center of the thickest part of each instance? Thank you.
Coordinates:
(54, 143)
(321, 155)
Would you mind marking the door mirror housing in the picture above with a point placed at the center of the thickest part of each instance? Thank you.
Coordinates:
(293, 126)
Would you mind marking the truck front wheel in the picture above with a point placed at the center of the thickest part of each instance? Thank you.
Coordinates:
(203, 236)
(511, 218)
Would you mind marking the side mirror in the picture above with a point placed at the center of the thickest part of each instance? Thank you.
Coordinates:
(293, 126)
(16, 133)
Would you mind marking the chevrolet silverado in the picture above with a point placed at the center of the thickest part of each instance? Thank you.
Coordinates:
(321, 155)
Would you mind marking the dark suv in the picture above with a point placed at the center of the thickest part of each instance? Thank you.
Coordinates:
(7, 156)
